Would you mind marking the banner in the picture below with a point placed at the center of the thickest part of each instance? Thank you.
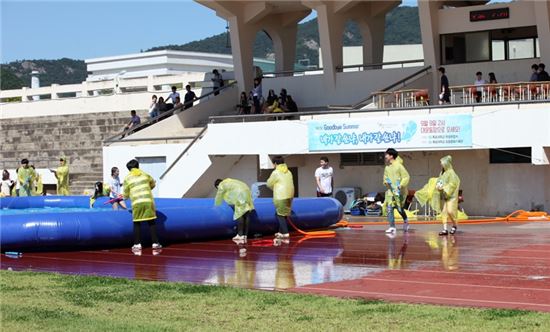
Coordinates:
(411, 132)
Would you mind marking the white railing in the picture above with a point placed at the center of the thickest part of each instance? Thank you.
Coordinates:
(151, 84)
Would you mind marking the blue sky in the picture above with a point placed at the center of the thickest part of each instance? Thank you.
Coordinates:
(81, 29)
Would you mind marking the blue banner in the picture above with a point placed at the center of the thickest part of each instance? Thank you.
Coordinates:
(411, 132)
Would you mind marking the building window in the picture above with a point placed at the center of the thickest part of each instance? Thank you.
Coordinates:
(499, 44)
(362, 159)
(510, 156)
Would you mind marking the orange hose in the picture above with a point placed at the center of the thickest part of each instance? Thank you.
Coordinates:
(314, 233)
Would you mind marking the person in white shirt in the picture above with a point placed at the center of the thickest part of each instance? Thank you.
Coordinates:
(324, 178)
(6, 185)
(114, 193)
(479, 83)
(173, 95)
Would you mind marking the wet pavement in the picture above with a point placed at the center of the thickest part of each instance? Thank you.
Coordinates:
(503, 265)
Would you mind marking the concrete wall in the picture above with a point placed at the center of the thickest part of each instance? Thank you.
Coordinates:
(488, 189)
(505, 71)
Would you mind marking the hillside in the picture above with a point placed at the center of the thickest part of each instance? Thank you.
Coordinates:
(402, 27)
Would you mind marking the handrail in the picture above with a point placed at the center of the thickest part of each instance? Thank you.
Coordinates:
(165, 138)
(163, 116)
(184, 151)
(283, 72)
(368, 65)
(362, 102)
(212, 119)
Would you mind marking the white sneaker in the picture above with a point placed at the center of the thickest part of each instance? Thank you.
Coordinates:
(136, 247)
(282, 236)
(156, 246)
(391, 230)
(156, 252)
(239, 237)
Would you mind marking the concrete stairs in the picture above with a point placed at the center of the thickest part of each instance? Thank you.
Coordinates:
(79, 137)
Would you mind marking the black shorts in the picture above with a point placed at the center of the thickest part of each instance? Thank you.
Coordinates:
(324, 195)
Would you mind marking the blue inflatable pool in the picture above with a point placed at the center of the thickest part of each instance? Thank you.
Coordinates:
(67, 223)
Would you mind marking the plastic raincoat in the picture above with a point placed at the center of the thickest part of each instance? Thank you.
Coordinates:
(25, 176)
(237, 194)
(137, 187)
(429, 195)
(448, 185)
(282, 185)
(396, 175)
(38, 187)
(62, 175)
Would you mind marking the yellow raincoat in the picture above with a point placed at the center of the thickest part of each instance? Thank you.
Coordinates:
(62, 175)
(448, 185)
(429, 195)
(282, 185)
(396, 173)
(38, 188)
(237, 194)
(137, 186)
(26, 176)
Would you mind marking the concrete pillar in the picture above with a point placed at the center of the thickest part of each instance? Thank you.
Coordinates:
(242, 39)
(331, 28)
(24, 94)
(428, 12)
(150, 85)
(35, 83)
(372, 31)
(54, 91)
(284, 45)
(542, 17)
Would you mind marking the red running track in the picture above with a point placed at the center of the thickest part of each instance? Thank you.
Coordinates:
(497, 265)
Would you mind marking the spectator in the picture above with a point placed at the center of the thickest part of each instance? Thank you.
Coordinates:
(162, 106)
(479, 83)
(324, 178)
(244, 105)
(257, 95)
(178, 103)
(153, 109)
(218, 81)
(134, 121)
(189, 98)
(492, 78)
(542, 74)
(493, 91)
(25, 176)
(282, 97)
(535, 73)
(444, 96)
(173, 95)
(7, 184)
(115, 194)
(290, 104)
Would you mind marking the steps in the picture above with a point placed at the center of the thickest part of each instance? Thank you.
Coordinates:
(79, 137)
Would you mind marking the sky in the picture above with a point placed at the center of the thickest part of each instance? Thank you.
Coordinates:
(84, 29)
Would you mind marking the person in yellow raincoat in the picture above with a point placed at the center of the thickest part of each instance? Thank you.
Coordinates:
(38, 186)
(448, 185)
(237, 194)
(396, 180)
(25, 176)
(62, 176)
(282, 184)
(137, 186)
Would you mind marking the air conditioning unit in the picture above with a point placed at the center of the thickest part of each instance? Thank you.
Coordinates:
(346, 196)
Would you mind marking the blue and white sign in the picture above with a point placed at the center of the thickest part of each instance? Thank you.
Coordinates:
(426, 131)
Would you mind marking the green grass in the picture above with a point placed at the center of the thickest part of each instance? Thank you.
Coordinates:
(54, 302)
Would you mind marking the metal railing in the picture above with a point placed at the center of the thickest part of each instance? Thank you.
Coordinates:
(199, 135)
(291, 72)
(118, 137)
(366, 66)
(365, 101)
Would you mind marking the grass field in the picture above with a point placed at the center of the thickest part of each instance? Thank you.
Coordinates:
(54, 302)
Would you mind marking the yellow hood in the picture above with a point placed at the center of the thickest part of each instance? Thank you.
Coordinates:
(136, 172)
(447, 163)
(282, 168)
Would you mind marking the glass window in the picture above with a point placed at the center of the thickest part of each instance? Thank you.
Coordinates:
(521, 48)
(477, 46)
(498, 50)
